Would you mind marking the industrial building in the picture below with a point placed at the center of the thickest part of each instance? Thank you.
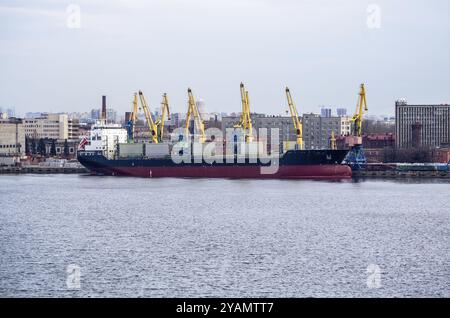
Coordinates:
(421, 125)
(12, 137)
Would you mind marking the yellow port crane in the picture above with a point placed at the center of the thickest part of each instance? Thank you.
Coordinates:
(193, 111)
(245, 122)
(148, 116)
(358, 116)
(333, 144)
(160, 121)
(295, 119)
(356, 157)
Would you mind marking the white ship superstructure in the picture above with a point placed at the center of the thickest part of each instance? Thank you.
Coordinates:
(106, 137)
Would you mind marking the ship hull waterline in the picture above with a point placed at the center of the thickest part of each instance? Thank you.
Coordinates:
(322, 172)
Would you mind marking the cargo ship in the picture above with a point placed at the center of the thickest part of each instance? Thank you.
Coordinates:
(293, 164)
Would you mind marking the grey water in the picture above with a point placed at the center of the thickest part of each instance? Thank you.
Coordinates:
(133, 237)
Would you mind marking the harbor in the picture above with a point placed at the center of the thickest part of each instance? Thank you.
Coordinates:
(194, 148)
(224, 156)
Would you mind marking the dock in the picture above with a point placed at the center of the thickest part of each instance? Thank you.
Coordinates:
(42, 170)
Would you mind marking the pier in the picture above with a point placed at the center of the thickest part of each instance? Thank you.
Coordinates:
(41, 170)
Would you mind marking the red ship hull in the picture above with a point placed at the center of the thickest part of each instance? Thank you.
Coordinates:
(321, 172)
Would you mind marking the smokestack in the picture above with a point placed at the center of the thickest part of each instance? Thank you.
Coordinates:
(104, 108)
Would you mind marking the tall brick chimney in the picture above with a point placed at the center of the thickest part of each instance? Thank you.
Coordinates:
(103, 108)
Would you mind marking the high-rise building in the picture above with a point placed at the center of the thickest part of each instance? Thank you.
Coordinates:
(111, 115)
(95, 114)
(421, 125)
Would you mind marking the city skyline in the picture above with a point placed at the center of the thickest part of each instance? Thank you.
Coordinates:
(49, 63)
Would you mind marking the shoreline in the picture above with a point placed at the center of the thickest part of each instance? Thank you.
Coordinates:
(401, 174)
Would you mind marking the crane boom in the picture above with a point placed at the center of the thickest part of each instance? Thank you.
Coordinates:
(134, 112)
(333, 144)
(297, 123)
(161, 120)
(360, 108)
(193, 111)
(148, 116)
(245, 121)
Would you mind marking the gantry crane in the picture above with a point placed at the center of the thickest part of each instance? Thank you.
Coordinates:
(295, 119)
(131, 125)
(355, 157)
(148, 116)
(245, 121)
(160, 121)
(193, 111)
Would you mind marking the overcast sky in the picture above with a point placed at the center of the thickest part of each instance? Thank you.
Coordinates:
(321, 49)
